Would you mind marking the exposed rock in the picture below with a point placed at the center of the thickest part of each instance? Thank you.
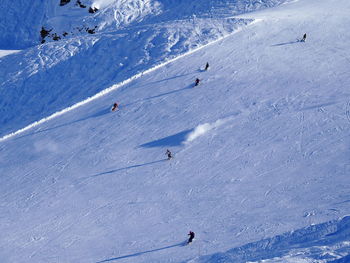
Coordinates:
(44, 33)
(91, 31)
(55, 37)
(78, 3)
(64, 2)
(93, 10)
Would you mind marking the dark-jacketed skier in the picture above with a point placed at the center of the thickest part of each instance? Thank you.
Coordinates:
(196, 83)
(191, 234)
(206, 66)
(169, 154)
(304, 38)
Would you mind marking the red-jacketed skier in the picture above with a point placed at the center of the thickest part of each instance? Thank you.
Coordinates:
(115, 106)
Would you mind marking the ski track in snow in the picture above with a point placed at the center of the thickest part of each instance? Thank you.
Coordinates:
(348, 111)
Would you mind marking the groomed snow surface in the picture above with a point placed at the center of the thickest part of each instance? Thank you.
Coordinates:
(261, 147)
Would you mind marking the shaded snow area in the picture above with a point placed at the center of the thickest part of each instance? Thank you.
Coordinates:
(22, 19)
(261, 147)
(67, 72)
(327, 242)
(128, 38)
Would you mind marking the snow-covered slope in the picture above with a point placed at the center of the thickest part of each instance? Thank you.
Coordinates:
(261, 149)
(327, 242)
(22, 20)
(72, 73)
(130, 36)
(61, 74)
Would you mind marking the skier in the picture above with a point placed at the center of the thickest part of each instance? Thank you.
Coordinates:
(196, 82)
(169, 154)
(191, 234)
(304, 38)
(115, 106)
(206, 66)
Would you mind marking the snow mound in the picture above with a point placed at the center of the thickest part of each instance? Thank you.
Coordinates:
(205, 128)
(327, 242)
(4, 53)
(198, 131)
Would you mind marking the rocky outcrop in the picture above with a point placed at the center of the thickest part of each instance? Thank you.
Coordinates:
(80, 4)
(93, 10)
(64, 2)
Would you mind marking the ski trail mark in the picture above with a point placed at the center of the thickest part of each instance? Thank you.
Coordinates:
(267, 193)
(348, 111)
(301, 138)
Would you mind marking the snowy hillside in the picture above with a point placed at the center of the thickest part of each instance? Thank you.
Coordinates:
(22, 20)
(72, 70)
(123, 44)
(261, 146)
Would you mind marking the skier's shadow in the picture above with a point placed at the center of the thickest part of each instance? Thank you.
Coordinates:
(129, 167)
(101, 112)
(168, 93)
(171, 78)
(142, 253)
(160, 95)
(286, 43)
(169, 141)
